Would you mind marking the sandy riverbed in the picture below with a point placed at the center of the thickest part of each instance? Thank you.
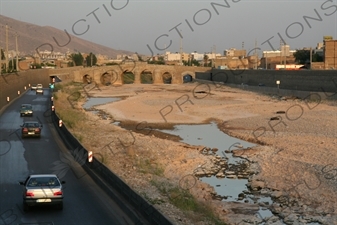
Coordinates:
(296, 158)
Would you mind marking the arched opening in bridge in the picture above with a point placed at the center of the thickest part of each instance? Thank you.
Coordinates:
(187, 78)
(146, 77)
(128, 77)
(167, 78)
(109, 77)
(51, 79)
(87, 79)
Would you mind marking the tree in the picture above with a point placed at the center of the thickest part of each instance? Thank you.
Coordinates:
(91, 59)
(76, 58)
(2, 55)
(317, 58)
(2, 58)
(205, 59)
(195, 62)
(302, 56)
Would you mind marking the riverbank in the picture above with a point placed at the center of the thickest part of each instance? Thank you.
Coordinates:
(292, 165)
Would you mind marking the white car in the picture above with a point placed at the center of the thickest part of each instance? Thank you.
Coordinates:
(39, 90)
(33, 87)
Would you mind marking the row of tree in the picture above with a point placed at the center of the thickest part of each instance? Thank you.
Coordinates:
(77, 59)
(303, 57)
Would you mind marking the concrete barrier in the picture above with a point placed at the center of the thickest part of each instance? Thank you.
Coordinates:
(137, 208)
(300, 80)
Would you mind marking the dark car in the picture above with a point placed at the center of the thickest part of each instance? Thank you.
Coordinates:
(42, 189)
(26, 110)
(31, 129)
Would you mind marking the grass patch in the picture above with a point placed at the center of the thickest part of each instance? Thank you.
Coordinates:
(70, 117)
(186, 202)
(128, 78)
(152, 201)
(146, 166)
(65, 105)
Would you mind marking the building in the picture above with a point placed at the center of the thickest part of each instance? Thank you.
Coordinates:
(282, 56)
(271, 62)
(46, 55)
(330, 53)
(235, 53)
(230, 62)
(197, 56)
(172, 56)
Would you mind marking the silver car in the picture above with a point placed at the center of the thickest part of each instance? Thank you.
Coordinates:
(42, 189)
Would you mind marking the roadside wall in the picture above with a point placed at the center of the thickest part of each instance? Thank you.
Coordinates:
(301, 80)
(11, 83)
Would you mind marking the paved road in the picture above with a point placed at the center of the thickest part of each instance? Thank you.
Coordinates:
(84, 202)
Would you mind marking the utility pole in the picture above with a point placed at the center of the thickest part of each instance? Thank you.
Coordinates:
(12, 69)
(256, 54)
(181, 51)
(17, 52)
(7, 58)
(285, 55)
(310, 56)
(281, 52)
(0, 59)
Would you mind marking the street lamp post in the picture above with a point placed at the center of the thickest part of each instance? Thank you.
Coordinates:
(0, 60)
(17, 56)
(278, 86)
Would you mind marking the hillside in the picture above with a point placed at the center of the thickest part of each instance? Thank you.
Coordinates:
(31, 36)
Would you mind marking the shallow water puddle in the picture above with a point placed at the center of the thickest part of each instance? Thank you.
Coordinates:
(98, 101)
(210, 136)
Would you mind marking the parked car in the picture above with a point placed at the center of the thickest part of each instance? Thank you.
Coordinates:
(42, 189)
(39, 90)
(26, 110)
(31, 129)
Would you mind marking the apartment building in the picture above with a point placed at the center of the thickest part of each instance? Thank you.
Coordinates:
(330, 53)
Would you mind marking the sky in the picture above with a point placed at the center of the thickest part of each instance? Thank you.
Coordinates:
(156, 26)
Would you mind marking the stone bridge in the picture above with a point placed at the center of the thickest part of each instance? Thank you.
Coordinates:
(132, 72)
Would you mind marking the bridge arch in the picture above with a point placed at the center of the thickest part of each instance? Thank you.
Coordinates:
(187, 76)
(146, 77)
(87, 79)
(109, 77)
(128, 77)
(167, 77)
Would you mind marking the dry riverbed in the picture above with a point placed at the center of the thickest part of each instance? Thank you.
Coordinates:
(294, 161)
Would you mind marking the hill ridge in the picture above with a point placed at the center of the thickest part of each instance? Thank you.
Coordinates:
(31, 36)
